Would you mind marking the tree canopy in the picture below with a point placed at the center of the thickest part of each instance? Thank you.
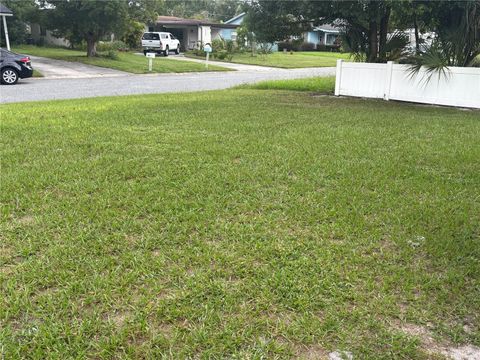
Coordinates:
(367, 25)
(90, 20)
(23, 12)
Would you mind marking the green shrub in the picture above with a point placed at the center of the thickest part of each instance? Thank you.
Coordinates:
(197, 52)
(218, 45)
(307, 46)
(133, 34)
(265, 48)
(290, 45)
(110, 54)
(331, 48)
(116, 45)
(221, 55)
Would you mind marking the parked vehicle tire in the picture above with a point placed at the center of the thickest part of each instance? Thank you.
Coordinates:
(145, 52)
(177, 50)
(9, 76)
(166, 51)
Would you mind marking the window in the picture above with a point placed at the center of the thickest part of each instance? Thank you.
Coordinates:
(150, 36)
(234, 35)
(164, 36)
(331, 38)
(172, 37)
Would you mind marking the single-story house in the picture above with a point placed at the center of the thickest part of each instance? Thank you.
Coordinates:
(231, 34)
(323, 35)
(4, 12)
(320, 35)
(192, 33)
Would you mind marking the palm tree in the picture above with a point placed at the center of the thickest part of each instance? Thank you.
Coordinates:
(457, 41)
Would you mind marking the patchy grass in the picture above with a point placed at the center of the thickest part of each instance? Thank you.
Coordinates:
(37, 73)
(288, 60)
(128, 62)
(323, 85)
(238, 223)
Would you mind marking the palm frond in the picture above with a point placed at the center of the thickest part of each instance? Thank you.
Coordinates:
(434, 61)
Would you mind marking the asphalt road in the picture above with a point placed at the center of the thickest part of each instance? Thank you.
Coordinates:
(38, 89)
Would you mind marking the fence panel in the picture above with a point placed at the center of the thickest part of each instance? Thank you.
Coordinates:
(458, 87)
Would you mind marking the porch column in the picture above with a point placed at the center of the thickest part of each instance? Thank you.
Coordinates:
(325, 40)
(199, 36)
(7, 40)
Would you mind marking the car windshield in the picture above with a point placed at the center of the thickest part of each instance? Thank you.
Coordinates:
(150, 36)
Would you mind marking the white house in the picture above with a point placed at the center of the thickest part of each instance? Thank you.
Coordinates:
(41, 35)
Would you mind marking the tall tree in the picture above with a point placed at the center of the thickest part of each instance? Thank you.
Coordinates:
(219, 10)
(417, 15)
(365, 23)
(457, 41)
(272, 21)
(23, 12)
(87, 20)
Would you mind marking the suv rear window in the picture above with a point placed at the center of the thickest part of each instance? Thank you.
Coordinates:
(150, 36)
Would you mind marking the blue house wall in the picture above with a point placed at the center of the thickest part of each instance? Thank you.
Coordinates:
(237, 20)
(227, 33)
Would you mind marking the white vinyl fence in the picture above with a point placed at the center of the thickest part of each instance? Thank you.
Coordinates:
(460, 86)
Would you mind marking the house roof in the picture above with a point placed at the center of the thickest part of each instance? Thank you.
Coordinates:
(172, 20)
(327, 28)
(235, 18)
(5, 11)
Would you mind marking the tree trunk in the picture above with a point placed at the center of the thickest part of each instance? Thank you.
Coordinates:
(372, 55)
(91, 46)
(383, 34)
(417, 37)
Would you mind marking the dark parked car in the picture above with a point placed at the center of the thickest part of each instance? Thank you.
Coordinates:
(13, 67)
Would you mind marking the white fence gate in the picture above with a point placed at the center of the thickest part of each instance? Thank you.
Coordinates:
(460, 86)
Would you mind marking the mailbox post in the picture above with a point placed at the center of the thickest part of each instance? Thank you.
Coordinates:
(150, 57)
(208, 49)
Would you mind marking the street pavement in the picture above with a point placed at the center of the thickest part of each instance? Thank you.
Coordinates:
(39, 89)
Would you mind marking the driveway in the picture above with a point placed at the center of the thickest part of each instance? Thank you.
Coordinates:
(58, 69)
(45, 89)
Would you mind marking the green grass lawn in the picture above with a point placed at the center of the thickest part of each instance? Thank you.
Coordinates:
(128, 62)
(324, 85)
(241, 224)
(301, 59)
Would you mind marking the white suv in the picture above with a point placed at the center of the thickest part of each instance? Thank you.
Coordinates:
(160, 42)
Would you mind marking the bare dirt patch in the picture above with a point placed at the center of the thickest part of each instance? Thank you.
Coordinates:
(26, 220)
(118, 318)
(311, 352)
(435, 347)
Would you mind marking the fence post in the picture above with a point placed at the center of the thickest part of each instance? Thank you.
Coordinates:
(388, 81)
(338, 77)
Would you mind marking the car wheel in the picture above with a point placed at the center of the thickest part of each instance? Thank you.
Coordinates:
(9, 76)
(145, 52)
(177, 50)
(166, 51)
